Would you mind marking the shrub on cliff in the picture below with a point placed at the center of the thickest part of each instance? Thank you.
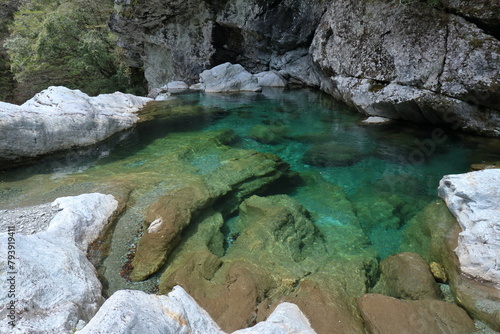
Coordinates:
(63, 42)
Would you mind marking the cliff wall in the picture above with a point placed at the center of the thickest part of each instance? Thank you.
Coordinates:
(413, 60)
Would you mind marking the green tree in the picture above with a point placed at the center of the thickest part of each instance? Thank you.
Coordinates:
(66, 42)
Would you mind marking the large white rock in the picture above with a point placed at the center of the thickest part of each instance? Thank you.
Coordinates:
(228, 78)
(285, 319)
(59, 118)
(270, 79)
(133, 311)
(54, 284)
(474, 199)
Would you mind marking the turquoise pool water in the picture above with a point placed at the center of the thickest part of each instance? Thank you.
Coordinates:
(362, 183)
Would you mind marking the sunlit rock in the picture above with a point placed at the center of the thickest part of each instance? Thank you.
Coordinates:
(474, 199)
(55, 285)
(59, 118)
(133, 311)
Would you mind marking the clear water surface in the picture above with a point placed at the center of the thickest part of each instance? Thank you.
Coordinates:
(386, 173)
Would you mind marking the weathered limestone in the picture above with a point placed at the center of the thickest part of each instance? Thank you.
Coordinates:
(228, 78)
(285, 319)
(270, 79)
(56, 286)
(59, 118)
(471, 248)
(474, 199)
(132, 311)
(388, 315)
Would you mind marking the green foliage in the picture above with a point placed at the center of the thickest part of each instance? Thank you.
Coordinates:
(66, 42)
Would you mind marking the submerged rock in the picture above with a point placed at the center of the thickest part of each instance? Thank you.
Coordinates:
(389, 315)
(59, 119)
(407, 276)
(267, 134)
(332, 154)
(55, 285)
(278, 256)
(228, 78)
(239, 175)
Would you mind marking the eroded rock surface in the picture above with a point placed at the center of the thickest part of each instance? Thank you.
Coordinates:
(239, 174)
(132, 311)
(391, 68)
(474, 199)
(226, 78)
(59, 118)
(55, 284)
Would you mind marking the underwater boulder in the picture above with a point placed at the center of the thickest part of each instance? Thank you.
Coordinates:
(407, 276)
(239, 174)
(332, 154)
(383, 314)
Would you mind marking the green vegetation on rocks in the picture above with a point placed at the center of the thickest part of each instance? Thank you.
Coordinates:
(68, 43)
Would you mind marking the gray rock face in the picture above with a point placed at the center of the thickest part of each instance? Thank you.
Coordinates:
(270, 79)
(54, 284)
(228, 78)
(474, 199)
(179, 40)
(419, 63)
(59, 118)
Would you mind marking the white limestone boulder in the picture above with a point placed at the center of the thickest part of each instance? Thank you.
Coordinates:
(474, 199)
(376, 120)
(228, 78)
(285, 319)
(270, 79)
(176, 86)
(54, 285)
(133, 311)
(59, 118)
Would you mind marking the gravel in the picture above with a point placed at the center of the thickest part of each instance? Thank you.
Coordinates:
(28, 220)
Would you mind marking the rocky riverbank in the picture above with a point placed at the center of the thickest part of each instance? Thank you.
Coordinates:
(59, 119)
(406, 297)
